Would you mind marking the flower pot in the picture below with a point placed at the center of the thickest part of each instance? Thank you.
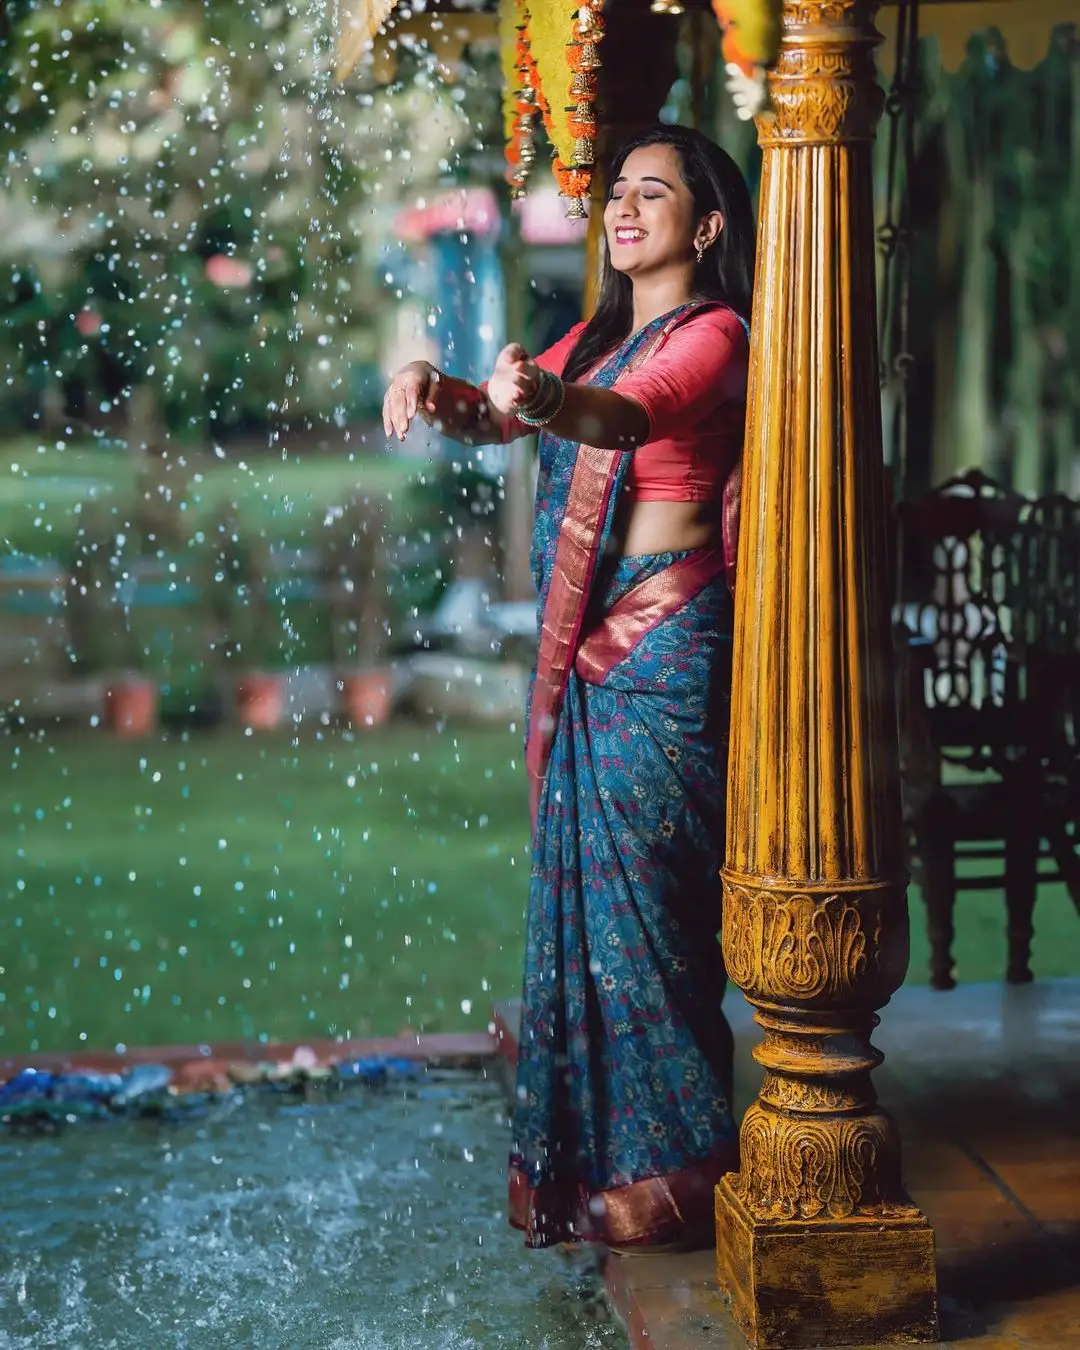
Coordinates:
(131, 707)
(260, 700)
(366, 697)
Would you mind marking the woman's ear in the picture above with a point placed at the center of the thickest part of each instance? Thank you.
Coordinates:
(708, 230)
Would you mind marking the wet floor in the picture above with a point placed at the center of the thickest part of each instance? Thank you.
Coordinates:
(370, 1221)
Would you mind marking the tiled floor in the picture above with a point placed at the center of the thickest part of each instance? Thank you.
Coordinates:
(985, 1082)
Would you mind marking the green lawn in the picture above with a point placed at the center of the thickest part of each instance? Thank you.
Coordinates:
(222, 886)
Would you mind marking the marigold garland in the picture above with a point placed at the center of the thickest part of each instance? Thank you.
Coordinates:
(584, 60)
(509, 23)
(528, 99)
(572, 129)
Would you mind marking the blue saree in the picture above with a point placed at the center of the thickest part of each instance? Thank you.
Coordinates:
(622, 1122)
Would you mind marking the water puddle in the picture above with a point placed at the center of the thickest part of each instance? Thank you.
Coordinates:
(369, 1220)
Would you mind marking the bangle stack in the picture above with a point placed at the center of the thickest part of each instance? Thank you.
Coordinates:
(546, 404)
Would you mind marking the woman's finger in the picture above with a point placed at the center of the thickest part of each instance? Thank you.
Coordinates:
(398, 414)
(524, 386)
(510, 354)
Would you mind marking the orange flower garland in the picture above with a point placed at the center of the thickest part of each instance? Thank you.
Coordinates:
(520, 152)
(574, 178)
(584, 60)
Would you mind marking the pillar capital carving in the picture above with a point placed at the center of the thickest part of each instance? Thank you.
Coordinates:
(815, 947)
(823, 88)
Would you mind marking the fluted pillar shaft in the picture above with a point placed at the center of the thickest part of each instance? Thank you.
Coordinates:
(817, 1242)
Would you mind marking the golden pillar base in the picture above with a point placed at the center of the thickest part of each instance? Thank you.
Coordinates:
(818, 1243)
(863, 1280)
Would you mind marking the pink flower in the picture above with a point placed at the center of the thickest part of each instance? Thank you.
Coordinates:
(88, 323)
(223, 271)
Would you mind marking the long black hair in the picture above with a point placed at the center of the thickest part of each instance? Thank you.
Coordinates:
(725, 273)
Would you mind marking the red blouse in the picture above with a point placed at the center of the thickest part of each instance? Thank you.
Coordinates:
(693, 390)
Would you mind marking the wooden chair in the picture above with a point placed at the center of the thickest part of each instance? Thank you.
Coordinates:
(973, 757)
(1050, 625)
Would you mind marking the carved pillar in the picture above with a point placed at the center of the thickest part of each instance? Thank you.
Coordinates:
(817, 1242)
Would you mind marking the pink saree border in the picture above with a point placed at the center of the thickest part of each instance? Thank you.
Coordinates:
(576, 557)
(642, 609)
(577, 554)
(656, 1210)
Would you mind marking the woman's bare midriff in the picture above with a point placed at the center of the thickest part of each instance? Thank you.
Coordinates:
(668, 527)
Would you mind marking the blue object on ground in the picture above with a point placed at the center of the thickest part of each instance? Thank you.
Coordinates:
(145, 1080)
(29, 1085)
(86, 1087)
(374, 1071)
(39, 1096)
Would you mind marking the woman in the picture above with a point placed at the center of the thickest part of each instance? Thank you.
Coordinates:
(622, 1123)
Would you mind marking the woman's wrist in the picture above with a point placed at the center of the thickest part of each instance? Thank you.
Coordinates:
(546, 402)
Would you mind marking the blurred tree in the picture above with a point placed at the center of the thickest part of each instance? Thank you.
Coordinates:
(997, 188)
(182, 186)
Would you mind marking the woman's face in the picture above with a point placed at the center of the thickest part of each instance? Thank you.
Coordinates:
(650, 220)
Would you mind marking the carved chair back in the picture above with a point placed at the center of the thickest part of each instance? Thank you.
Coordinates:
(1050, 628)
(966, 596)
(988, 646)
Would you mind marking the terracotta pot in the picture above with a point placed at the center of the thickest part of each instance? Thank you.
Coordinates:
(131, 707)
(366, 697)
(202, 1075)
(260, 700)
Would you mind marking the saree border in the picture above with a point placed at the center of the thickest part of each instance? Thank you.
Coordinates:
(675, 1208)
(577, 554)
(644, 608)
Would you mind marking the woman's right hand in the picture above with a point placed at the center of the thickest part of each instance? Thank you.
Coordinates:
(414, 389)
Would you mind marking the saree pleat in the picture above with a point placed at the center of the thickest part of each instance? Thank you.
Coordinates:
(622, 1121)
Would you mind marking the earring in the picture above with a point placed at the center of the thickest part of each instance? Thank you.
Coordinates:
(700, 252)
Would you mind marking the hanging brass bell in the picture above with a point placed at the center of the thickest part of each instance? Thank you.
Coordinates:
(584, 152)
(590, 57)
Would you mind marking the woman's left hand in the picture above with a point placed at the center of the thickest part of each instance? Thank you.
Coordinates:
(514, 381)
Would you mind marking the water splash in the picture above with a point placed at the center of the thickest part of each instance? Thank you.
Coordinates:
(379, 1224)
